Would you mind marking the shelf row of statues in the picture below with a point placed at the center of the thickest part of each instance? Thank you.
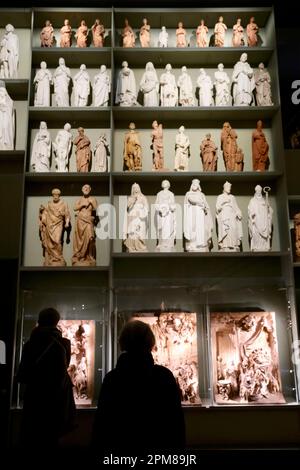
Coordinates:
(167, 91)
(66, 34)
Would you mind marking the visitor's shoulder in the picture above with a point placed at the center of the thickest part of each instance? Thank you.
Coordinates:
(164, 372)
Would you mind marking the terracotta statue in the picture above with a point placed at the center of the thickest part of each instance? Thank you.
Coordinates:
(47, 35)
(201, 34)
(222, 87)
(149, 86)
(209, 154)
(83, 151)
(238, 34)
(61, 81)
(229, 147)
(82, 84)
(185, 85)
(145, 33)
(54, 219)
(157, 146)
(132, 150)
(98, 32)
(260, 149)
(62, 148)
(101, 152)
(243, 82)
(82, 34)
(297, 233)
(101, 87)
(239, 160)
(126, 87)
(42, 82)
(136, 221)
(252, 31)
(260, 215)
(84, 242)
(66, 35)
(163, 37)
(205, 89)
(7, 119)
(263, 86)
(128, 35)
(180, 36)
(168, 88)
(41, 150)
(229, 220)
(219, 31)
(198, 223)
(182, 151)
(165, 218)
(9, 53)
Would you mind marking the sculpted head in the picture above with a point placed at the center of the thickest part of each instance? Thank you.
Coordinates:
(66, 22)
(183, 69)
(195, 186)
(227, 187)
(261, 66)
(258, 190)
(86, 189)
(259, 124)
(9, 28)
(135, 189)
(131, 126)
(43, 125)
(154, 124)
(181, 129)
(165, 184)
(163, 28)
(149, 66)
(244, 57)
(80, 130)
(55, 194)
(43, 65)
(83, 67)
(168, 67)
(103, 68)
(220, 19)
(124, 64)
(221, 67)
(61, 61)
(67, 127)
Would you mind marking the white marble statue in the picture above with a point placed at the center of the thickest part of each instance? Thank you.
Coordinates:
(82, 85)
(62, 148)
(101, 87)
(126, 87)
(163, 37)
(165, 218)
(101, 153)
(168, 88)
(229, 219)
(205, 89)
(260, 215)
(42, 82)
(198, 223)
(149, 85)
(7, 119)
(185, 85)
(263, 86)
(222, 87)
(41, 150)
(182, 151)
(135, 225)
(9, 53)
(243, 82)
(61, 81)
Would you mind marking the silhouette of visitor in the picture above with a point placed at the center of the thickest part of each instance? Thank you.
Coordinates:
(139, 407)
(48, 402)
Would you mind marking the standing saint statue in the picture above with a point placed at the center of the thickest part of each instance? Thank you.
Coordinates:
(101, 152)
(157, 146)
(197, 223)
(209, 154)
(238, 34)
(168, 88)
(7, 119)
(41, 150)
(222, 87)
(66, 34)
(180, 35)
(263, 86)
(163, 37)
(252, 31)
(243, 82)
(145, 33)
(182, 150)
(132, 153)
(149, 85)
(83, 151)
(54, 219)
(260, 215)
(219, 32)
(61, 80)
(229, 147)
(136, 221)
(201, 34)
(47, 35)
(260, 149)
(126, 87)
(101, 87)
(42, 81)
(229, 220)
(185, 85)
(205, 89)
(82, 84)
(9, 53)
(82, 34)
(84, 241)
(128, 35)
(98, 32)
(62, 148)
(165, 218)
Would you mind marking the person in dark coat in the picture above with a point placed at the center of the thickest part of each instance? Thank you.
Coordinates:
(48, 402)
(139, 407)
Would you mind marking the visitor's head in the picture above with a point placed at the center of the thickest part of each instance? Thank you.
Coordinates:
(136, 337)
(48, 317)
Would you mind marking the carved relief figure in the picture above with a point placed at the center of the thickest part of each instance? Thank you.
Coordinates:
(42, 81)
(201, 34)
(229, 220)
(168, 88)
(9, 53)
(165, 218)
(222, 87)
(66, 35)
(149, 86)
(41, 150)
(83, 151)
(101, 152)
(128, 35)
(101, 87)
(132, 150)
(157, 146)
(239, 160)
(243, 82)
(260, 215)
(7, 119)
(220, 30)
(82, 85)
(61, 80)
(126, 87)
(297, 233)
(252, 31)
(209, 154)
(47, 35)
(238, 34)
(98, 32)
(136, 221)
(232, 155)
(84, 242)
(185, 85)
(54, 218)
(82, 34)
(145, 33)
(263, 86)
(182, 150)
(198, 223)
(62, 148)
(260, 149)
(180, 36)
(163, 37)
(205, 89)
